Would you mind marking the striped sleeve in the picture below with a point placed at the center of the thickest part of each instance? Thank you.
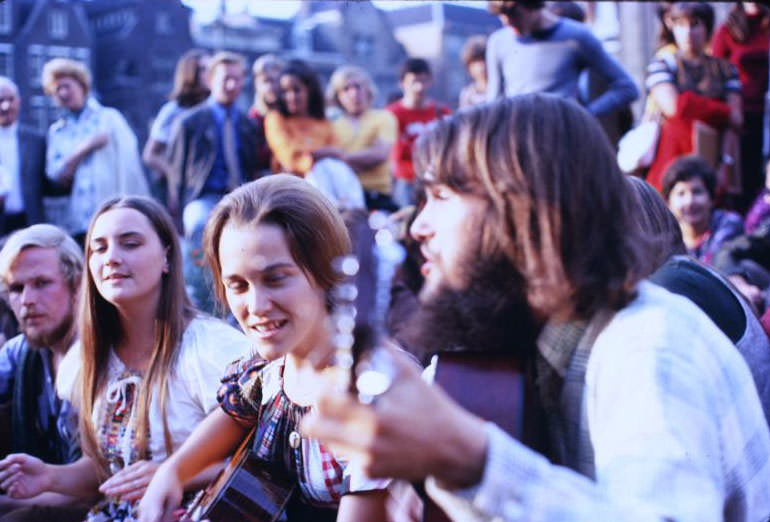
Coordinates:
(658, 72)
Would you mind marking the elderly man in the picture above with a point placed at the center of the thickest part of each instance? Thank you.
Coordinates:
(40, 269)
(22, 165)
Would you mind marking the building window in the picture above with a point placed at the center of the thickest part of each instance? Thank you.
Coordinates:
(82, 54)
(5, 17)
(35, 61)
(162, 23)
(363, 46)
(6, 60)
(57, 23)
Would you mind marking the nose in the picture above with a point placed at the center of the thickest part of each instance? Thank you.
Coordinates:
(259, 302)
(112, 255)
(28, 295)
(420, 229)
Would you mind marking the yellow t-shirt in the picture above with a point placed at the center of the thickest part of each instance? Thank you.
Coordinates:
(356, 135)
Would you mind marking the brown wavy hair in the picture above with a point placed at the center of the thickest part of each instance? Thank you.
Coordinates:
(738, 25)
(188, 90)
(557, 203)
(101, 329)
(315, 232)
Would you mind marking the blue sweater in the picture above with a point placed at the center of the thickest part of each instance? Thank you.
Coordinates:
(551, 61)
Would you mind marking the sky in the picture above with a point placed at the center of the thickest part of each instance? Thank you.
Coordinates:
(206, 9)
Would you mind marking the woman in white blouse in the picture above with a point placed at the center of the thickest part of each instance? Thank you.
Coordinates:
(149, 364)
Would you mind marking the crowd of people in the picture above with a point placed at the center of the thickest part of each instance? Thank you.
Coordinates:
(160, 308)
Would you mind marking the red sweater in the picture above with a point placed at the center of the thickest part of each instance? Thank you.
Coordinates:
(676, 133)
(751, 60)
(411, 123)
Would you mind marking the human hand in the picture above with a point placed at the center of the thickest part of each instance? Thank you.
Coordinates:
(412, 431)
(98, 140)
(25, 476)
(130, 483)
(162, 497)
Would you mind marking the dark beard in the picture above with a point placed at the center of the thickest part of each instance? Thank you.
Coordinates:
(490, 315)
(55, 336)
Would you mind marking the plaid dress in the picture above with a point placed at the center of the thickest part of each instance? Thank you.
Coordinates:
(323, 478)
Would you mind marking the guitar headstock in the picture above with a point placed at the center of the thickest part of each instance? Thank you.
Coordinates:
(343, 318)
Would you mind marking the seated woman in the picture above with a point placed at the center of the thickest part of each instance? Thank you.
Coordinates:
(688, 188)
(691, 86)
(271, 244)
(302, 140)
(365, 135)
(148, 365)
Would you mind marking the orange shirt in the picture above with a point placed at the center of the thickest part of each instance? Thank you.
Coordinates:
(293, 139)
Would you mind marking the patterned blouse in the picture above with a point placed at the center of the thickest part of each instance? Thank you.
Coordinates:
(323, 477)
(116, 433)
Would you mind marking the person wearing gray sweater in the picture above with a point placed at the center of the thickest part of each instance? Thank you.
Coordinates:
(536, 51)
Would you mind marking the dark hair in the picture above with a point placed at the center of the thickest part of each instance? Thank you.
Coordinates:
(700, 10)
(474, 50)
(308, 77)
(571, 10)
(414, 66)
(737, 22)
(188, 91)
(657, 222)
(507, 7)
(685, 169)
(558, 210)
(665, 36)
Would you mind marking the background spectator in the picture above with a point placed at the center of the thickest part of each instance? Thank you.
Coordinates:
(692, 86)
(744, 40)
(213, 149)
(90, 148)
(689, 187)
(474, 59)
(267, 72)
(537, 51)
(415, 112)
(365, 135)
(190, 88)
(22, 165)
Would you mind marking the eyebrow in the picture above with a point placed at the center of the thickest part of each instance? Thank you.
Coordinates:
(269, 268)
(123, 235)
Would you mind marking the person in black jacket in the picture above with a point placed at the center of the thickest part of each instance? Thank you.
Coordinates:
(22, 165)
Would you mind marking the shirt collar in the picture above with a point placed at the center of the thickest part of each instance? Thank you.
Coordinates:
(220, 111)
(558, 341)
(10, 130)
(90, 106)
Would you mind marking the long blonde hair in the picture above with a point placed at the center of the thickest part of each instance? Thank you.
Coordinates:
(101, 329)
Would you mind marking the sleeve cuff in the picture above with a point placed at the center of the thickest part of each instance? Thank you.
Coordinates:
(509, 471)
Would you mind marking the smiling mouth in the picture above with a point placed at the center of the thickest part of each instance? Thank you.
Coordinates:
(269, 328)
(116, 277)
